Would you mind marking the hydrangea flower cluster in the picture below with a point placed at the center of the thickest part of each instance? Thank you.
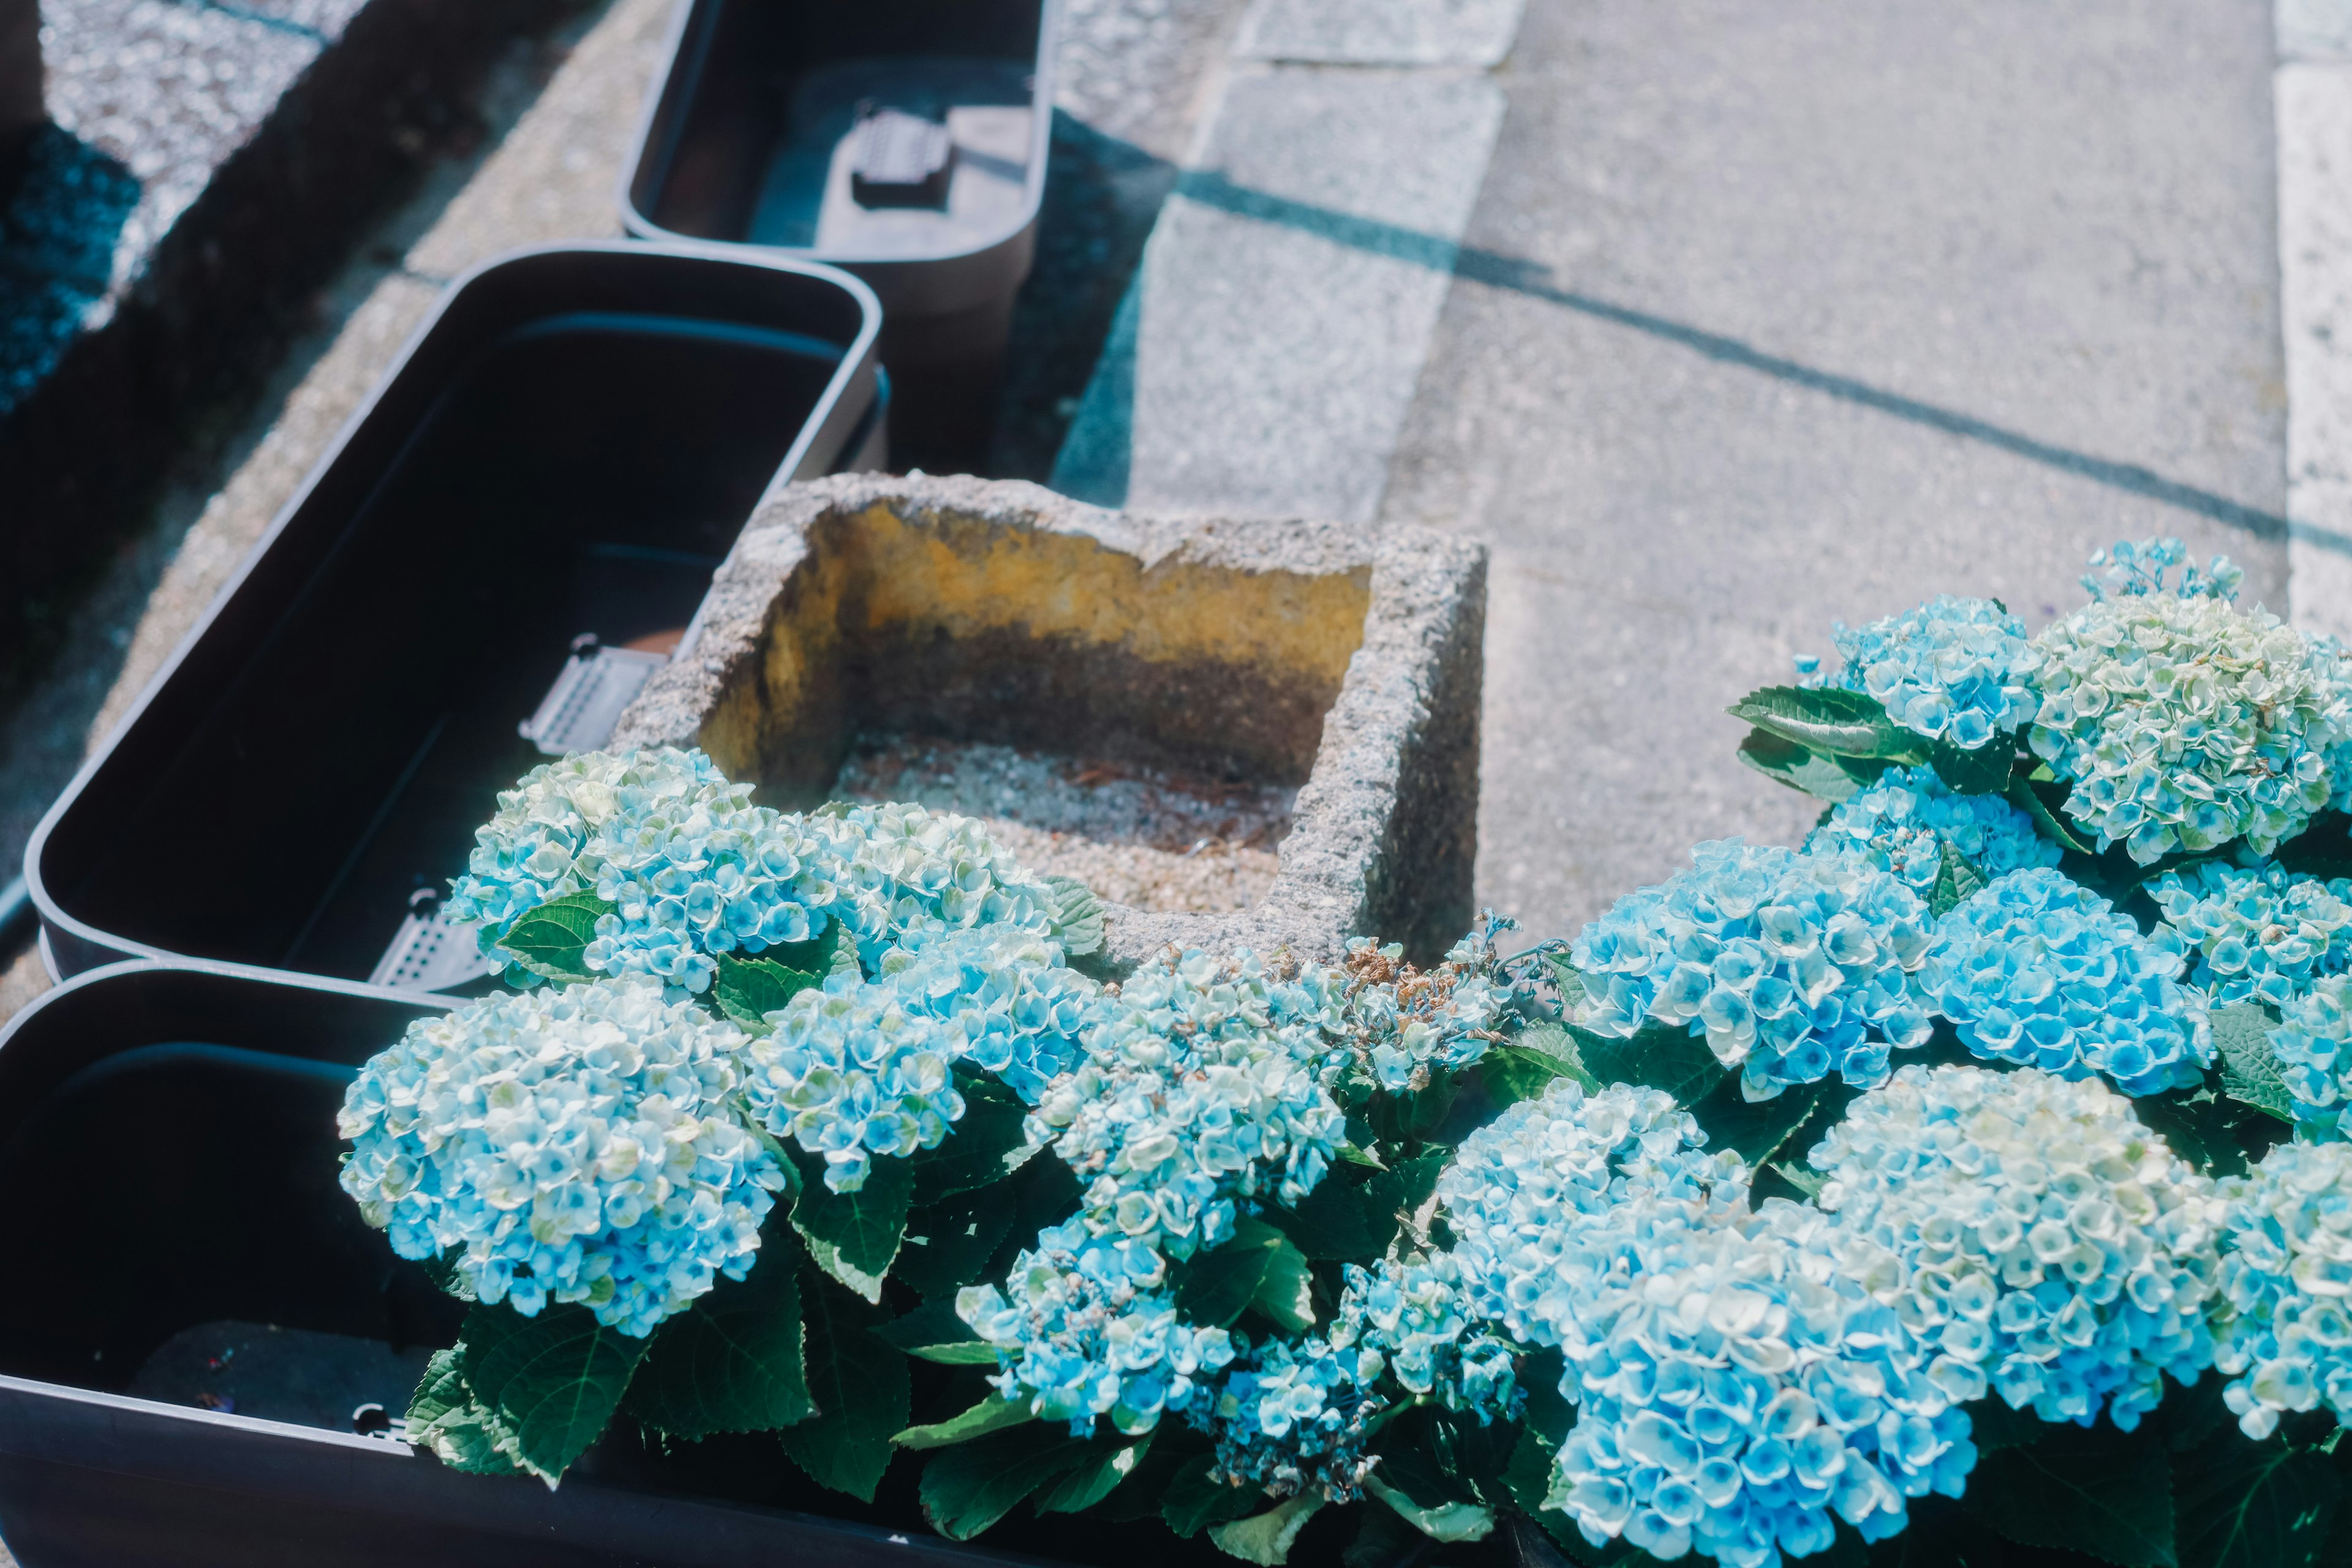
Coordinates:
(1403, 1024)
(1954, 670)
(2314, 1047)
(576, 1145)
(1791, 965)
(694, 870)
(2282, 1319)
(2139, 566)
(1740, 1383)
(2258, 932)
(1197, 1086)
(1416, 1320)
(2052, 1249)
(2038, 970)
(1086, 1332)
(1907, 821)
(1295, 1417)
(2184, 722)
(858, 1068)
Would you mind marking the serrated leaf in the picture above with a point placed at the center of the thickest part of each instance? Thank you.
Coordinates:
(1448, 1522)
(1984, 771)
(549, 940)
(1104, 1468)
(1196, 1500)
(821, 955)
(732, 1362)
(1383, 1541)
(1265, 1538)
(994, 1412)
(958, 1238)
(553, 1380)
(1829, 779)
(1661, 1056)
(2026, 798)
(986, 1144)
(1343, 1219)
(2240, 1504)
(749, 989)
(1257, 1267)
(1830, 722)
(445, 1419)
(861, 1389)
(854, 1235)
(1526, 1066)
(2090, 1490)
(1757, 1130)
(1077, 917)
(933, 1332)
(1956, 881)
(2250, 1068)
(966, 1490)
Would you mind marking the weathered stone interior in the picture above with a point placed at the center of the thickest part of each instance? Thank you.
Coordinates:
(1338, 660)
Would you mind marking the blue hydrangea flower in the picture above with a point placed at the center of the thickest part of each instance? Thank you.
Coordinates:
(2051, 1249)
(1405, 1026)
(2257, 932)
(1739, 1384)
(2314, 1046)
(856, 1069)
(2038, 970)
(2184, 722)
(1294, 1417)
(1084, 1328)
(1907, 821)
(578, 1145)
(1417, 1322)
(1198, 1085)
(2280, 1318)
(1792, 966)
(694, 870)
(1536, 1198)
(2139, 567)
(1953, 669)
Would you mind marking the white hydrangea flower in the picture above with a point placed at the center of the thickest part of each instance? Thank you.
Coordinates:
(579, 1145)
(2282, 1316)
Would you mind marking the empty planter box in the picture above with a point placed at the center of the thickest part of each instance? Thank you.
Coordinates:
(902, 140)
(1123, 697)
(565, 452)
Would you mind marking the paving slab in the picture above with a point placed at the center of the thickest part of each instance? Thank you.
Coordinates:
(1772, 317)
(1381, 32)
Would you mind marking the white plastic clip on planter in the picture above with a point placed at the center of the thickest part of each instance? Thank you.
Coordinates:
(428, 953)
(580, 709)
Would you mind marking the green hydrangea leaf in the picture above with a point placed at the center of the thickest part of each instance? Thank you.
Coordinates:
(933, 1332)
(549, 940)
(1076, 916)
(821, 955)
(854, 1235)
(1104, 1468)
(1759, 1130)
(1448, 1522)
(2093, 1489)
(1956, 881)
(749, 989)
(1828, 779)
(1662, 1056)
(1526, 1066)
(1830, 722)
(2250, 1068)
(994, 1412)
(1196, 1499)
(2027, 798)
(552, 1380)
(861, 1389)
(949, 1244)
(1344, 1219)
(2241, 1504)
(1984, 771)
(446, 1420)
(732, 1362)
(965, 1489)
(1257, 1267)
(986, 1145)
(1265, 1538)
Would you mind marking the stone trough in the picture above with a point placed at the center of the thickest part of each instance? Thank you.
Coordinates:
(1206, 664)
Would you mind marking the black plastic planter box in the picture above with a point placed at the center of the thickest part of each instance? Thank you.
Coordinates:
(570, 446)
(168, 1151)
(801, 126)
(21, 109)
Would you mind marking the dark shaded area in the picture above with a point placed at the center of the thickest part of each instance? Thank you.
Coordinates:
(90, 420)
(1102, 196)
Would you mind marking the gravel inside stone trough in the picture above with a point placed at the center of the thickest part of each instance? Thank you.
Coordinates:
(1137, 835)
